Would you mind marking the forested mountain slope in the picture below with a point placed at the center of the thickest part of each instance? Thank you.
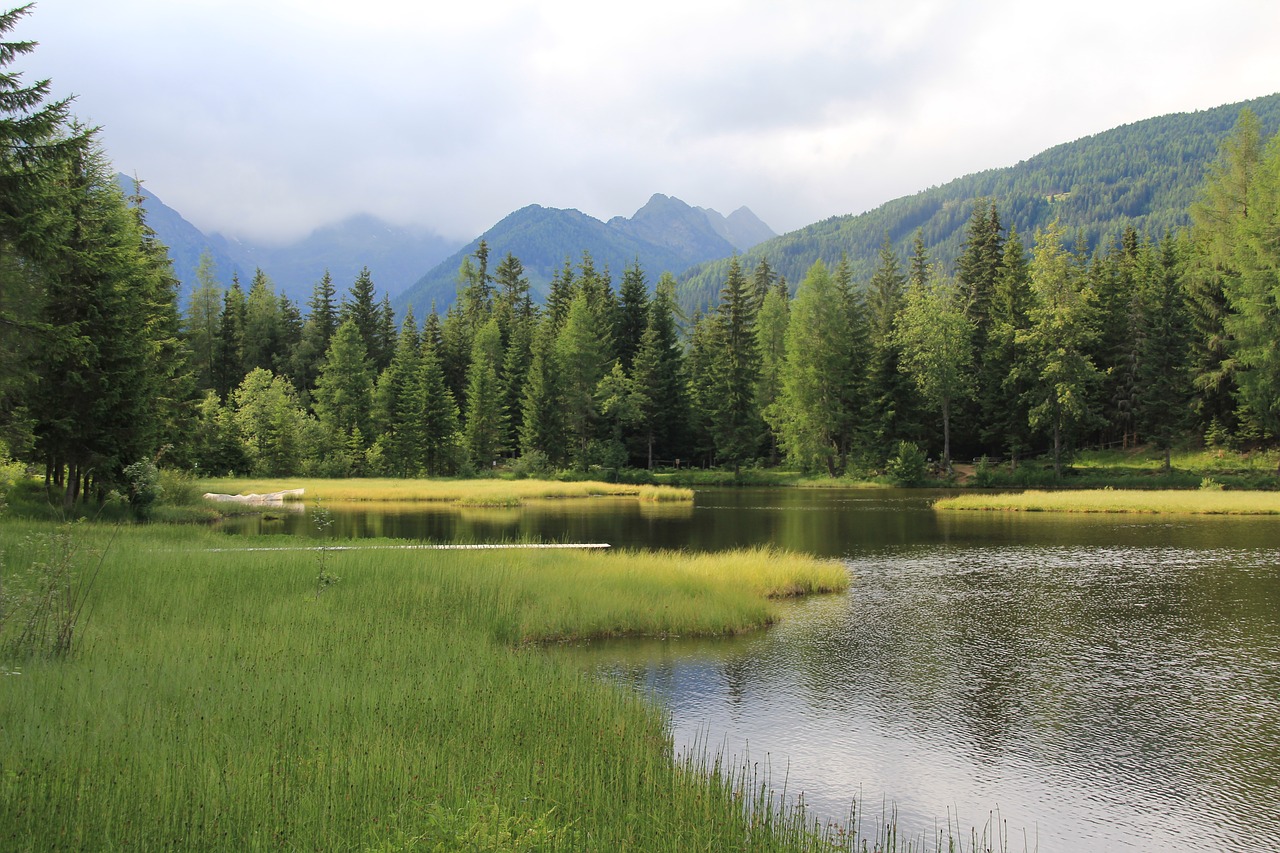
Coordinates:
(1144, 174)
(666, 235)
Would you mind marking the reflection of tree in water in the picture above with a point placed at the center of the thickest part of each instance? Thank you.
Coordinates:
(735, 679)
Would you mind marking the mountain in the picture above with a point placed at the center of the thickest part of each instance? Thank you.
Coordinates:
(396, 256)
(185, 241)
(1144, 175)
(664, 235)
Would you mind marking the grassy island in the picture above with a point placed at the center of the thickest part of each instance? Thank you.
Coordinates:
(473, 492)
(360, 700)
(1200, 502)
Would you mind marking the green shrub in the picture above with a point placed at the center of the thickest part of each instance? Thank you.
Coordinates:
(908, 466)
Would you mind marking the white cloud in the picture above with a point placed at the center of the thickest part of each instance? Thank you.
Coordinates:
(272, 117)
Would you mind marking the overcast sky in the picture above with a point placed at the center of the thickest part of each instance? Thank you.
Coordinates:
(268, 118)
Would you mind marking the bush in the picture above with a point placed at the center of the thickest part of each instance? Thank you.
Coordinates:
(144, 490)
(908, 466)
(533, 465)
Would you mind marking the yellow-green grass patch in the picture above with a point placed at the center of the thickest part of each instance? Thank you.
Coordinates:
(1202, 502)
(497, 493)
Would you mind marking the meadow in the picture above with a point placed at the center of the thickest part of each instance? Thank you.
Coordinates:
(363, 699)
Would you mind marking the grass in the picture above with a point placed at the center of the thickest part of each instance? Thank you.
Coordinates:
(1200, 502)
(479, 493)
(225, 701)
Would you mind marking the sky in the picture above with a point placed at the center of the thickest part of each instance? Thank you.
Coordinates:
(265, 119)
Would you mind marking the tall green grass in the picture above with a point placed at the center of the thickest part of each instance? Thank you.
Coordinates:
(220, 700)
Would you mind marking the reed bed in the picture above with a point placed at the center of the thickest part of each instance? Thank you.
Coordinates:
(479, 493)
(1199, 502)
(223, 700)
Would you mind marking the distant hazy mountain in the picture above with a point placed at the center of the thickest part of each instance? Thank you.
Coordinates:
(1144, 174)
(395, 256)
(666, 235)
(185, 241)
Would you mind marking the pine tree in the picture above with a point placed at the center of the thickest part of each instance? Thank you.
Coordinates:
(735, 421)
(633, 315)
(261, 346)
(771, 342)
(201, 328)
(439, 410)
(229, 367)
(485, 423)
(583, 357)
(543, 409)
(890, 395)
(1165, 374)
(344, 388)
(397, 407)
(1007, 425)
(814, 375)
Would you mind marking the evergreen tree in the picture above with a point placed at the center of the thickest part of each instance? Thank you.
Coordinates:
(229, 352)
(485, 424)
(583, 358)
(317, 332)
(398, 399)
(362, 309)
(261, 347)
(203, 312)
(1216, 218)
(771, 341)
(1251, 288)
(1165, 374)
(344, 389)
(812, 411)
(977, 272)
(543, 416)
(633, 315)
(1007, 372)
(439, 411)
(890, 395)
(657, 378)
(735, 421)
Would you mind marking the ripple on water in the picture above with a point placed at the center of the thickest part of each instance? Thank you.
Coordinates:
(1104, 698)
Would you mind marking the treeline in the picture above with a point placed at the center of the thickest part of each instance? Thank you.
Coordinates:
(1011, 351)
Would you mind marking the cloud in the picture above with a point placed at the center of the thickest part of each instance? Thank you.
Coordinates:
(270, 119)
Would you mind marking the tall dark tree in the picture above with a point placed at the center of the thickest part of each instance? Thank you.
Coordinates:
(1008, 372)
(229, 367)
(735, 422)
(890, 395)
(1165, 375)
(633, 315)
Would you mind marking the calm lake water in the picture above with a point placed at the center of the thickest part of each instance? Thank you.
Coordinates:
(1085, 683)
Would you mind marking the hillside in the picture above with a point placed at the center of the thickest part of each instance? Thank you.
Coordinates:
(1144, 174)
(664, 235)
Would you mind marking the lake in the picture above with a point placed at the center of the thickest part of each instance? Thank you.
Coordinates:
(1084, 683)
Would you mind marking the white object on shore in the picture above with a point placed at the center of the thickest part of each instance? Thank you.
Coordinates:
(271, 499)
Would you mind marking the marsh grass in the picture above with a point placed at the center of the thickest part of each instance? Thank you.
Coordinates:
(219, 703)
(1200, 502)
(475, 493)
